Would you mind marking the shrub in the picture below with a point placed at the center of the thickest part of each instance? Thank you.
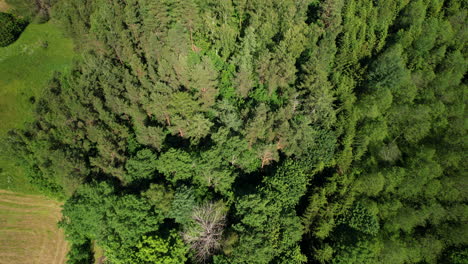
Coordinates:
(11, 28)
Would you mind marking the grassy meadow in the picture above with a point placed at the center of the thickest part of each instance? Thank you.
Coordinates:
(25, 68)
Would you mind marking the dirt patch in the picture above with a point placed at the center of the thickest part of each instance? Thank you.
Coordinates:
(28, 230)
(4, 6)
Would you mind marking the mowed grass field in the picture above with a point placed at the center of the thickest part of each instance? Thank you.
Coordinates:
(28, 230)
(25, 68)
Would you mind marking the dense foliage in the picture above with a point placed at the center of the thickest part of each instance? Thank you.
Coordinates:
(11, 28)
(266, 131)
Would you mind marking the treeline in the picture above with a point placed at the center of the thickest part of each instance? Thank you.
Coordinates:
(265, 131)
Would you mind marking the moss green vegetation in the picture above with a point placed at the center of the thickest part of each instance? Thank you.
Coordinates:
(257, 132)
(25, 68)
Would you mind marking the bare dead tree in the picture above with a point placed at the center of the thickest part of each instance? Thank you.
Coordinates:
(205, 236)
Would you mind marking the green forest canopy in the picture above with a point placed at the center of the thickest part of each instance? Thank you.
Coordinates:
(266, 131)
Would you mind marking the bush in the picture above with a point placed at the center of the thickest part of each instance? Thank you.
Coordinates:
(158, 250)
(10, 30)
(80, 253)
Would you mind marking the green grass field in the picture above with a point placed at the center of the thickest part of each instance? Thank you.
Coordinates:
(25, 68)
